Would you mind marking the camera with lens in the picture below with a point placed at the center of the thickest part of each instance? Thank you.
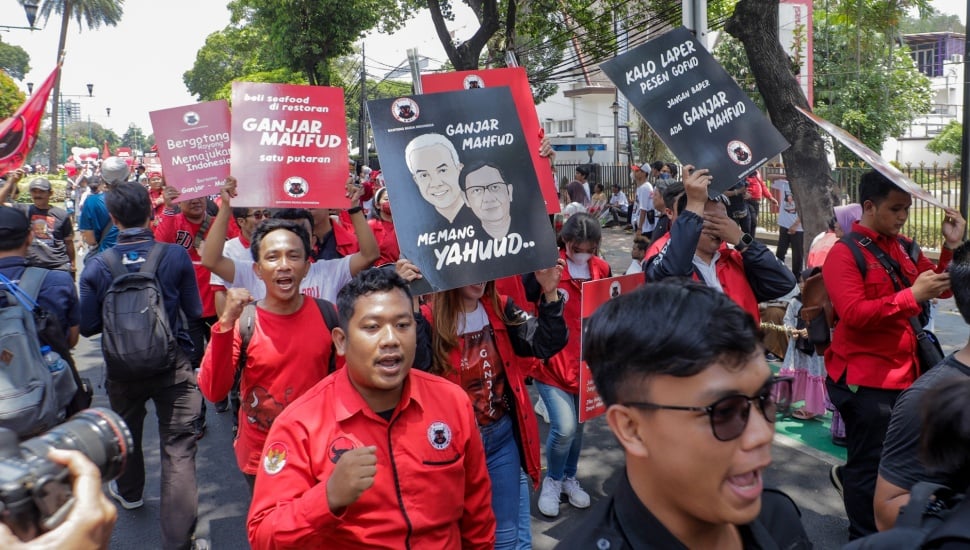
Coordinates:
(35, 493)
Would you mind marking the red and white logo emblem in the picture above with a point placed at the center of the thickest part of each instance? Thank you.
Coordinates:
(739, 152)
(405, 110)
(439, 435)
(274, 458)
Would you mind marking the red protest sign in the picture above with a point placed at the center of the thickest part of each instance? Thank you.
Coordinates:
(193, 145)
(595, 294)
(289, 145)
(517, 80)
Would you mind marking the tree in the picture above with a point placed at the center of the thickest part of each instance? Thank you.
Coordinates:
(134, 137)
(755, 24)
(89, 134)
(93, 14)
(11, 98)
(950, 140)
(226, 55)
(14, 60)
(863, 81)
(932, 21)
(307, 35)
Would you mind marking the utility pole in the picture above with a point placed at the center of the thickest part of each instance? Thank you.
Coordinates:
(965, 140)
(695, 18)
(362, 137)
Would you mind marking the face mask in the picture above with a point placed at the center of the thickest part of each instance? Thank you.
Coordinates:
(664, 176)
(386, 208)
(579, 257)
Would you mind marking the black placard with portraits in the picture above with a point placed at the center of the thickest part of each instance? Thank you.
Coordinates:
(695, 107)
(467, 206)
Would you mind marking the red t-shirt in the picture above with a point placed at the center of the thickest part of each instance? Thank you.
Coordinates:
(286, 356)
(179, 230)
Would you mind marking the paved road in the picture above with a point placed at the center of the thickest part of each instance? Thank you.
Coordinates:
(223, 498)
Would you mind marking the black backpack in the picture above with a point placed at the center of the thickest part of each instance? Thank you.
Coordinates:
(137, 339)
(935, 517)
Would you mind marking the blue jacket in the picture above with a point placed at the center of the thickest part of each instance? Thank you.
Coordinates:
(57, 295)
(176, 276)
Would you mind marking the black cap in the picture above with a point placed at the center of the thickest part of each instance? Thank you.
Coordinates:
(14, 224)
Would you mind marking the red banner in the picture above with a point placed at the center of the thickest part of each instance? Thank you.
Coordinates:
(194, 147)
(595, 294)
(19, 132)
(518, 82)
(289, 145)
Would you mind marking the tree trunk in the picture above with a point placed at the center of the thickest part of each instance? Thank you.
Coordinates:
(755, 24)
(56, 92)
(465, 56)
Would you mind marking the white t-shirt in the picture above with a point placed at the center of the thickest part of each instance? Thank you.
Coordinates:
(787, 213)
(635, 267)
(234, 250)
(645, 199)
(325, 279)
(619, 199)
(708, 272)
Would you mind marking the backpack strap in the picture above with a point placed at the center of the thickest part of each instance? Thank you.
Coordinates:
(113, 260)
(329, 312)
(152, 259)
(852, 241)
(247, 322)
(32, 280)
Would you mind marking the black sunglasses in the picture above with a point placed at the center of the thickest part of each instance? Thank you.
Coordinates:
(259, 215)
(729, 415)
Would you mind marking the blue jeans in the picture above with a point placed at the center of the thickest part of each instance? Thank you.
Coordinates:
(565, 432)
(525, 512)
(504, 469)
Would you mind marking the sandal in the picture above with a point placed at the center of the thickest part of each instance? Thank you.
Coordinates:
(802, 414)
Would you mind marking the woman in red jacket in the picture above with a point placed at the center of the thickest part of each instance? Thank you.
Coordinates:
(558, 383)
(480, 341)
(382, 225)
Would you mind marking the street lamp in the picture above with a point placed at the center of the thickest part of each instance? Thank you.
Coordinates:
(589, 151)
(616, 132)
(30, 88)
(107, 110)
(30, 10)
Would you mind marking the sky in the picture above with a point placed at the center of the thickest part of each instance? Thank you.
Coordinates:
(137, 66)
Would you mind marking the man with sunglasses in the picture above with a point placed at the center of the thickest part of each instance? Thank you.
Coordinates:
(694, 408)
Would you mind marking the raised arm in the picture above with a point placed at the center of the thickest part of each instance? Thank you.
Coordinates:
(369, 250)
(215, 242)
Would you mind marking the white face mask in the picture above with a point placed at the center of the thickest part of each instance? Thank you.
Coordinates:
(579, 257)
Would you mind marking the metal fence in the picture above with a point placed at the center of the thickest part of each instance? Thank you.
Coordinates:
(924, 223)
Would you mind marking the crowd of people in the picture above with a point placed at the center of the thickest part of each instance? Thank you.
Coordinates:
(370, 417)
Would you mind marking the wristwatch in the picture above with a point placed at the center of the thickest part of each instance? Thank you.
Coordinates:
(745, 242)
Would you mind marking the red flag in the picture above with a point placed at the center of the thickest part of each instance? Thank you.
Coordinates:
(19, 132)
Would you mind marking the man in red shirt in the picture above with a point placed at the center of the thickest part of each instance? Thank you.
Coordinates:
(873, 353)
(757, 190)
(188, 229)
(377, 455)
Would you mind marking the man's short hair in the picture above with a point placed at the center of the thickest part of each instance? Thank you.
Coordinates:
(875, 187)
(945, 435)
(583, 169)
(295, 214)
(429, 140)
(671, 192)
(959, 269)
(129, 204)
(273, 224)
(673, 327)
(657, 165)
(14, 227)
(474, 167)
(368, 281)
(240, 212)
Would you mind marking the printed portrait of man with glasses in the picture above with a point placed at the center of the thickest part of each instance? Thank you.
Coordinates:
(489, 196)
(694, 406)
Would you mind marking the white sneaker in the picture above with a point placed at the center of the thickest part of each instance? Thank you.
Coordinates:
(541, 411)
(549, 497)
(577, 496)
(126, 504)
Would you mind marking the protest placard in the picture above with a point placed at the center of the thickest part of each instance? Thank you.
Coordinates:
(460, 179)
(518, 82)
(695, 107)
(193, 145)
(595, 294)
(873, 159)
(289, 145)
